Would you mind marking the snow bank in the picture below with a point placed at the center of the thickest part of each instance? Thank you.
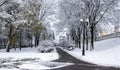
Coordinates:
(106, 53)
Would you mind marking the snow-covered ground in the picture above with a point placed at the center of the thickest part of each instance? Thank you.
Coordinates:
(29, 59)
(28, 53)
(106, 53)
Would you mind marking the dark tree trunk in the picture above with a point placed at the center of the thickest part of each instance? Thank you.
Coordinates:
(9, 39)
(92, 39)
(36, 40)
(15, 45)
(79, 44)
(73, 37)
(9, 44)
(20, 46)
(8, 48)
(87, 44)
(83, 49)
(86, 40)
(79, 38)
(31, 45)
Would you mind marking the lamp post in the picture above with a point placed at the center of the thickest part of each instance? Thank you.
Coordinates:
(87, 31)
(84, 24)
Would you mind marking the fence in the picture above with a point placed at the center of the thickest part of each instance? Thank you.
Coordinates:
(108, 36)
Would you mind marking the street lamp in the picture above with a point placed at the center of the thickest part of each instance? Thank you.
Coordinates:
(81, 19)
(83, 48)
(87, 20)
(84, 24)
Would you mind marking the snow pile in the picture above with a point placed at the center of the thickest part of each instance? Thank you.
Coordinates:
(106, 53)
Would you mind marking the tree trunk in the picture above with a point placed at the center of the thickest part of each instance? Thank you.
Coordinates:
(20, 42)
(36, 40)
(31, 45)
(79, 44)
(92, 39)
(86, 40)
(15, 45)
(79, 37)
(83, 49)
(8, 45)
(9, 39)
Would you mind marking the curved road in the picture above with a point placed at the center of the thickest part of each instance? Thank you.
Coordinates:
(78, 64)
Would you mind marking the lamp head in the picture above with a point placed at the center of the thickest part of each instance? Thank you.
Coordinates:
(87, 20)
(81, 19)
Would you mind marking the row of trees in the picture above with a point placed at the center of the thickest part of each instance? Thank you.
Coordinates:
(84, 17)
(27, 15)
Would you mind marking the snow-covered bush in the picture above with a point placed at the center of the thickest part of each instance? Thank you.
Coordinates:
(55, 43)
(70, 46)
(46, 46)
(67, 44)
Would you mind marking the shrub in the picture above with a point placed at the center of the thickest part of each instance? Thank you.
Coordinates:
(69, 45)
(46, 46)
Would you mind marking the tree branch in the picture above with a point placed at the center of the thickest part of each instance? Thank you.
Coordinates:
(3, 3)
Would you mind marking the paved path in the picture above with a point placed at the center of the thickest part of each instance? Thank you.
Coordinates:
(78, 64)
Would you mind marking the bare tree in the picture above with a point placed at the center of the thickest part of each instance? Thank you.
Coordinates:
(95, 10)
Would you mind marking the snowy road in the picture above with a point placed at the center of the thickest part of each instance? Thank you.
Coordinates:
(78, 64)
